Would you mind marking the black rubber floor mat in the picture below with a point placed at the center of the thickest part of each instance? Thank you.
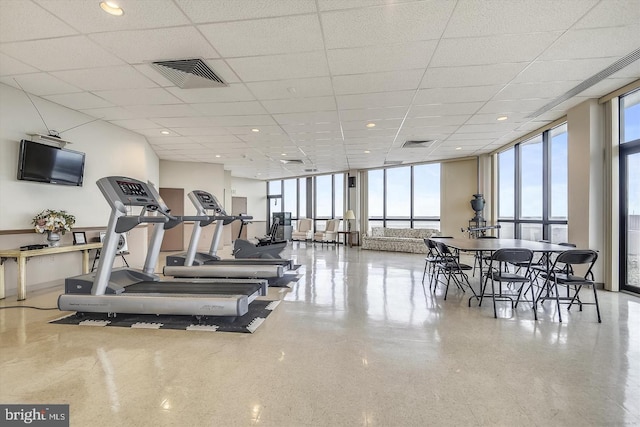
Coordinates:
(286, 281)
(259, 310)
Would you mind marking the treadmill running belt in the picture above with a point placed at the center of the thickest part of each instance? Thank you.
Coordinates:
(212, 288)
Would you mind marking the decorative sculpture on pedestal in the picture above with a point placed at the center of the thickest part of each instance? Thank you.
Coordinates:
(477, 204)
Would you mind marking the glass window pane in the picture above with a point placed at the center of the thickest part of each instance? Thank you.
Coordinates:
(398, 193)
(426, 189)
(632, 220)
(275, 187)
(530, 232)
(398, 224)
(630, 117)
(559, 233)
(339, 195)
(427, 224)
(291, 197)
(302, 185)
(376, 193)
(507, 230)
(559, 172)
(531, 179)
(374, 224)
(324, 198)
(506, 183)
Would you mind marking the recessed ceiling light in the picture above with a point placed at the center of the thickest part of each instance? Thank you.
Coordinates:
(370, 125)
(458, 148)
(164, 132)
(367, 151)
(283, 154)
(502, 118)
(255, 130)
(218, 156)
(111, 8)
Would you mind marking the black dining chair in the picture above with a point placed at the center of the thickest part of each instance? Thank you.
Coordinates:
(562, 273)
(497, 273)
(451, 268)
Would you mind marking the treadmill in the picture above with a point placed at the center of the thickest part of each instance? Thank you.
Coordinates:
(127, 290)
(209, 264)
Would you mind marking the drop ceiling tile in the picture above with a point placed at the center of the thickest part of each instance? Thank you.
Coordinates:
(287, 34)
(361, 60)
(492, 50)
(266, 129)
(229, 108)
(519, 91)
(610, 14)
(444, 109)
(9, 66)
(373, 114)
(79, 101)
(136, 124)
(394, 23)
(303, 118)
(280, 67)
(231, 93)
(456, 94)
(65, 53)
(40, 84)
(477, 75)
(595, 43)
(107, 78)
(111, 113)
(217, 65)
(230, 10)
(474, 18)
(156, 45)
(606, 86)
(483, 131)
(377, 82)
(513, 118)
(375, 100)
(564, 69)
(448, 120)
(368, 133)
(380, 125)
(166, 110)
(506, 107)
(88, 17)
(325, 5)
(310, 128)
(206, 134)
(40, 24)
(151, 96)
(155, 139)
(282, 106)
(297, 88)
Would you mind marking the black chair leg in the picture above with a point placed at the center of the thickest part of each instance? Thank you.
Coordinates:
(493, 297)
(555, 285)
(595, 296)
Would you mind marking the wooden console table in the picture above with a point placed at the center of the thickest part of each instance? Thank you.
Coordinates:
(21, 258)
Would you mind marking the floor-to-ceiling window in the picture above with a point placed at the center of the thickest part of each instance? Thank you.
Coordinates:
(630, 191)
(404, 197)
(532, 188)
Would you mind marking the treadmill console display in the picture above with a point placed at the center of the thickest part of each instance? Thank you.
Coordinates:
(132, 188)
(208, 201)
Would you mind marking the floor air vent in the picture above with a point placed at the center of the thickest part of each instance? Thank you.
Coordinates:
(189, 73)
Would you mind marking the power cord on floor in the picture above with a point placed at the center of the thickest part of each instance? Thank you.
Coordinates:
(28, 306)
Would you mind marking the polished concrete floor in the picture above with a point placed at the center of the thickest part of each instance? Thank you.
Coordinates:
(356, 341)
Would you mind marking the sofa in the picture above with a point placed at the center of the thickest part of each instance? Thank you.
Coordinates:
(399, 239)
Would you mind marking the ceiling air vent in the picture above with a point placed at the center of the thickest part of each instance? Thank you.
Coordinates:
(392, 162)
(596, 78)
(418, 143)
(292, 161)
(189, 73)
(311, 170)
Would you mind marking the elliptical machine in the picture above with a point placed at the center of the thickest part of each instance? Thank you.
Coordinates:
(267, 246)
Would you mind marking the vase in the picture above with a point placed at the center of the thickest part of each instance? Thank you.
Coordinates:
(53, 238)
(477, 204)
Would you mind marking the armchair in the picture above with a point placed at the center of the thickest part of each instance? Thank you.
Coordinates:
(303, 230)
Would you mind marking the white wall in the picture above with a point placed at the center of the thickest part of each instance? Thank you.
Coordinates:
(256, 193)
(109, 150)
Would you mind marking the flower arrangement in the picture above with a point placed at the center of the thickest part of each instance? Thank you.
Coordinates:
(54, 221)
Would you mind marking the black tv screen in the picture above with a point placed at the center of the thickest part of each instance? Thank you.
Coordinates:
(53, 165)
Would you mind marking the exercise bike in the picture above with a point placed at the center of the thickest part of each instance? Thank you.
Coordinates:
(267, 246)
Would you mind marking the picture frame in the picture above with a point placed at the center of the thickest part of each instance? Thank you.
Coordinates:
(79, 238)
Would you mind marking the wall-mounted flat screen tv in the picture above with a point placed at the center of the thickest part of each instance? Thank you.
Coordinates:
(53, 165)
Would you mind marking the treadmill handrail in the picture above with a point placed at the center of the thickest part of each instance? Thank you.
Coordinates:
(126, 223)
